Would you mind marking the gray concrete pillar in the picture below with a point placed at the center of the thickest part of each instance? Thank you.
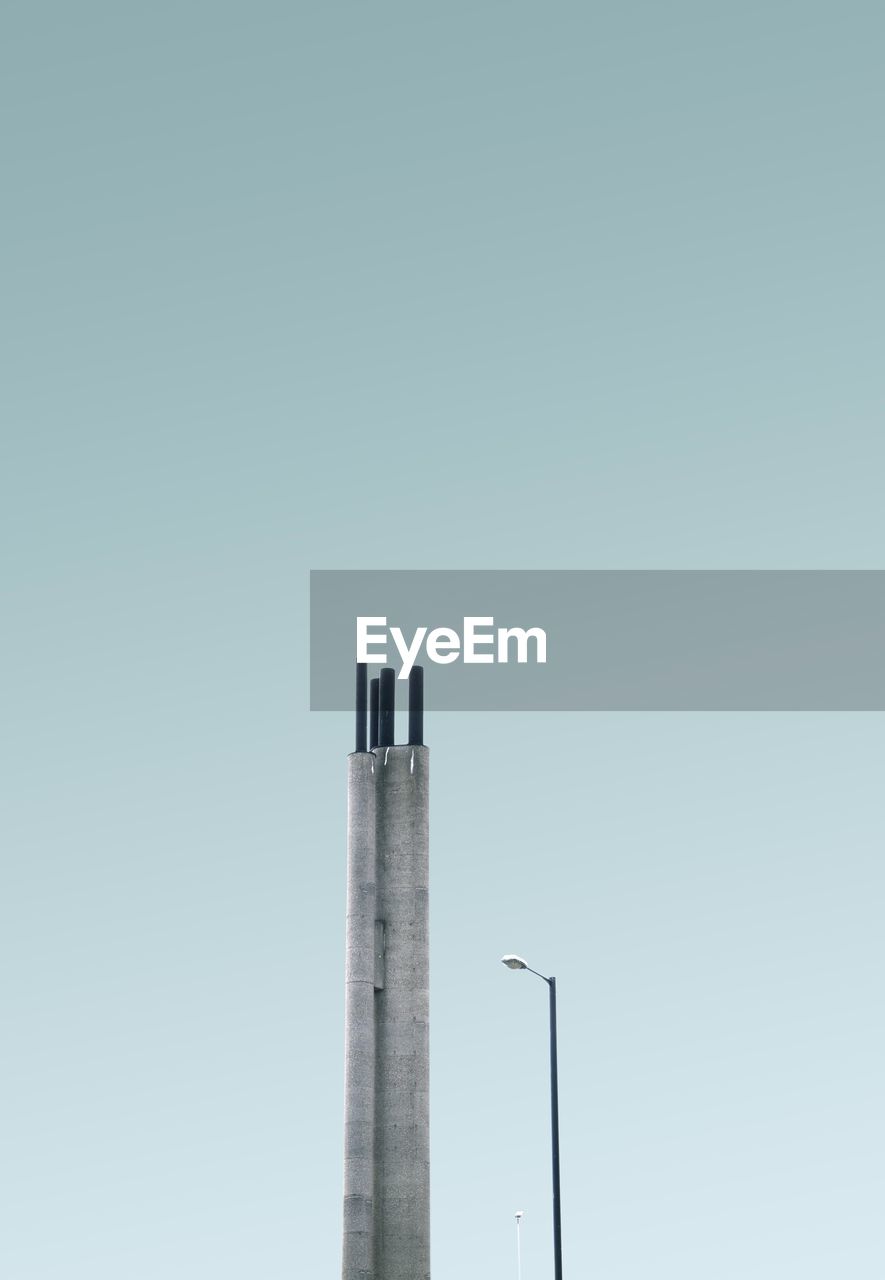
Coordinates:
(359, 1022)
(402, 1021)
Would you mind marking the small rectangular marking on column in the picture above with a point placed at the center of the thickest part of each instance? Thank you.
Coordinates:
(379, 955)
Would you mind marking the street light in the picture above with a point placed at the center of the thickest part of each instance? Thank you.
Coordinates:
(517, 962)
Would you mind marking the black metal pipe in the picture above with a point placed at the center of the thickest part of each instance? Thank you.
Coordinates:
(373, 713)
(386, 707)
(416, 707)
(361, 677)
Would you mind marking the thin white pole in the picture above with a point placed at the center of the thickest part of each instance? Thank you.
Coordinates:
(518, 1248)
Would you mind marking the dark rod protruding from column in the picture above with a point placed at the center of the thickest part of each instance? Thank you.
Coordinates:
(373, 713)
(361, 678)
(386, 707)
(416, 707)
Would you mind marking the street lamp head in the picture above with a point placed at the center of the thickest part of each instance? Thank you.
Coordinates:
(514, 962)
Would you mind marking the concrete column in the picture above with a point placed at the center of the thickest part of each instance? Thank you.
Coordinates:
(402, 1025)
(359, 1022)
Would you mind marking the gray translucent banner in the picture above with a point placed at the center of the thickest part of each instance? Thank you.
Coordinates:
(615, 640)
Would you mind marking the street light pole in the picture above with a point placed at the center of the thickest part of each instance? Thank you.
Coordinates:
(516, 962)
(554, 1130)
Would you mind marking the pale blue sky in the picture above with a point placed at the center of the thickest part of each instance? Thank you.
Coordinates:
(492, 285)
